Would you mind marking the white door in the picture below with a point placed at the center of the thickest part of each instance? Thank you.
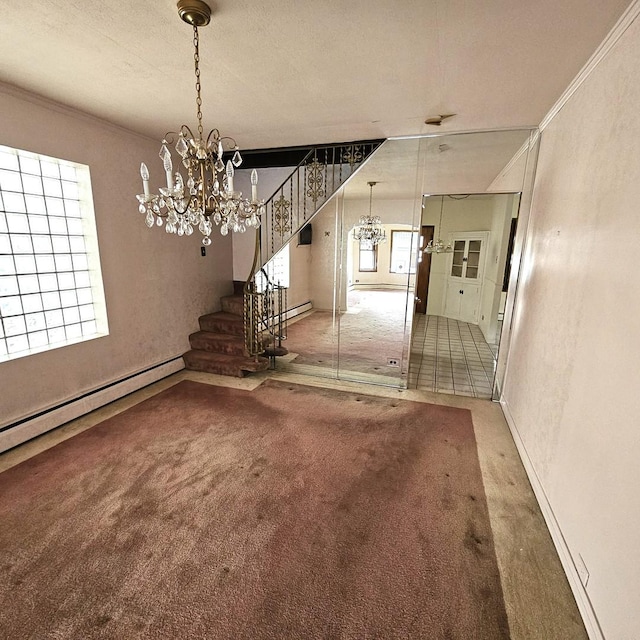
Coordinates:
(464, 284)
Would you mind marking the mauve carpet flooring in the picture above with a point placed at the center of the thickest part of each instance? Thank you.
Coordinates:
(286, 512)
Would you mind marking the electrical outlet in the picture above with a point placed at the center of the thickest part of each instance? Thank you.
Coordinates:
(583, 572)
(392, 362)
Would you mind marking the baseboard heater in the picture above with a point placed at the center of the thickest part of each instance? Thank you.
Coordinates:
(301, 308)
(28, 428)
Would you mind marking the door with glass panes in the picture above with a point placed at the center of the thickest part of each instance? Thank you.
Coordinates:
(464, 282)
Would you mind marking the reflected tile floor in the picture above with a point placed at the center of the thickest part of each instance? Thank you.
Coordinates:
(449, 356)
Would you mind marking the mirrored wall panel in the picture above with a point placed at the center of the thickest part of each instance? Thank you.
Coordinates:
(379, 298)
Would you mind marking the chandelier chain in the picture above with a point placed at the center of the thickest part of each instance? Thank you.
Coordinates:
(196, 59)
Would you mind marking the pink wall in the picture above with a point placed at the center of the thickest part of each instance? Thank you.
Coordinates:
(155, 285)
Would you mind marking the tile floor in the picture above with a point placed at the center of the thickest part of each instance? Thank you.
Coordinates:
(449, 356)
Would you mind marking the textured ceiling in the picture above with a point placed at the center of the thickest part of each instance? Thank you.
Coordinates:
(287, 72)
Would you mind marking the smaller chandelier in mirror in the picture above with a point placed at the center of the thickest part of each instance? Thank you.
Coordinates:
(439, 246)
(369, 231)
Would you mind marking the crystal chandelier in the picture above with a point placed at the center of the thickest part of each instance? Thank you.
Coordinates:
(439, 246)
(208, 192)
(369, 229)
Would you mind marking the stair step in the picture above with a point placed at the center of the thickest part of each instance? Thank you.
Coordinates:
(218, 343)
(233, 304)
(223, 364)
(222, 322)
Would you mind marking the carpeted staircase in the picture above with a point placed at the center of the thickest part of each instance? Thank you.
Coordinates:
(219, 345)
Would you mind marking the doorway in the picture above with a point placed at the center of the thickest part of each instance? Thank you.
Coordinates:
(424, 268)
(455, 339)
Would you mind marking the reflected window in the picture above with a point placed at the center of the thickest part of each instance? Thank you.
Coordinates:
(368, 260)
(404, 251)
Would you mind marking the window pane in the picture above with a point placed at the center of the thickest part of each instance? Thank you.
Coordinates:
(11, 306)
(14, 326)
(29, 284)
(57, 335)
(38, 224)
(87, 312)
(42, 244)
(35, 204)
(19, 244)
(45, 285)
(75, 226)
(29, 165)
(50, 169)
(8, 286)
(57, 225)
(32, 302)
(53, 318)
(60, 244)
(51, 300)
(17, 223)
(66, 280)
(70, 190)
(55, 207)
(35, 321)
(32, 184)
(404, 251)
(14, 202)
(52, 187)
(69, 298)
(73, 331)
(9, 161)
(10, 181)
(7, 265)
(367, 258)
(17, 344)
(48, 282)
(45, 263)
(68, 172)
(38, 339)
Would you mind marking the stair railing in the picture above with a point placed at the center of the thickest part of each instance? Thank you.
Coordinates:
(322, 171)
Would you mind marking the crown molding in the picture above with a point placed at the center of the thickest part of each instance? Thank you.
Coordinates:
(625, 21)
(47, 103)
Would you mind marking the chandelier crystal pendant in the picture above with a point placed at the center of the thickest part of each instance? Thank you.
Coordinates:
(369, 230)
(208, 194)
(439, 246)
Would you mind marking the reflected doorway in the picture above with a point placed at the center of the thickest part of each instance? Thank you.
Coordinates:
(456, 338)
(424, 269)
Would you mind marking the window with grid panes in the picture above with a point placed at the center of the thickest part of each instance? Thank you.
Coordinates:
(50, 282)
(404, 251)
(367, 256)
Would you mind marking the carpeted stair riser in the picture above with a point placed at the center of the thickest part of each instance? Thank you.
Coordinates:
(233, 304)
(223, 364)
(222, 322)
(218, 343)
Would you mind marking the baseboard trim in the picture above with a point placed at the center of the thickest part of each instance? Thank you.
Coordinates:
(364, 287)
(579, 592)
(29, 428)
(301, 308)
